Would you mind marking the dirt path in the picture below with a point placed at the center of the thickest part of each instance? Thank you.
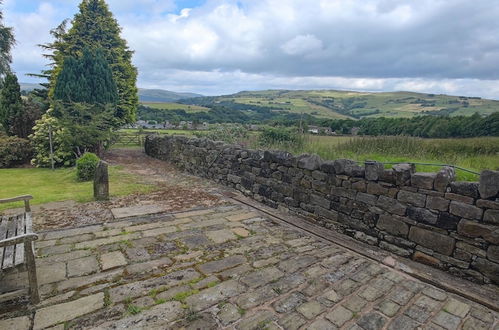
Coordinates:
(174, 191)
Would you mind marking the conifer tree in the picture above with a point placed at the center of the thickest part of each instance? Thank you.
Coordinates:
(95, 27)
(87, 79)
(11, 105)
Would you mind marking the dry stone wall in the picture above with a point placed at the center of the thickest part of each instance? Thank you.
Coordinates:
(428, 217)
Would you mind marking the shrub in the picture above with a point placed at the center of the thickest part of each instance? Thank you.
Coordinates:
(86, 165)
(14, 151)
(281, 138)
(63, 151)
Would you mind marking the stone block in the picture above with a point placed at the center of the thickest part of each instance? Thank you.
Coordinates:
(413, 198)
(437, 203)
(423, 180)
(493, 253)
(328, 167)
(491, 216)
(112, 260)
(426, 259)
(391, 205)
(459, 198)
(52, 315)
(465, 210)
(444, 177)
(343, 192)
(393, 226)
(395, 249)
(328, 214)
(344, 166)
(388, 176)
(402, 173)
(489, 184)
(469, 189)
(17, 323)
(101, 182)
(474, 229)
(219, 265)
(309, 162)
(376, 189)
(487, 204)
(374, 170)
(359, 186)
(82, 266)
(435, 241)
(422, 215)
(367, 198)
(320, 201)
(488, 268)
(447, 221)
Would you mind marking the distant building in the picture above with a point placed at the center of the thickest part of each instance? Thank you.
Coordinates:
(355, 130)
(320, 130)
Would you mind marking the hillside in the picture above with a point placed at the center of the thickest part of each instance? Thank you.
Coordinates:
(160, 95)
(355, 105)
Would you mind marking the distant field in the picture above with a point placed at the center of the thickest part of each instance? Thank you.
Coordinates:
(343, 104)
(175, 106)
(475, 154)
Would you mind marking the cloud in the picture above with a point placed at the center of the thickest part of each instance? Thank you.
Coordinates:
(426, 45)
(302, 45)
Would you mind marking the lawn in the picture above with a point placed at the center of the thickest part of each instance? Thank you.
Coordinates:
(46, 185)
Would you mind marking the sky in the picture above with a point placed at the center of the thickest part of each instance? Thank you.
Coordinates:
(216, 47)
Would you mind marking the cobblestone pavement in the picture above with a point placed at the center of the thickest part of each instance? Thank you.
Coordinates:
(225, 267)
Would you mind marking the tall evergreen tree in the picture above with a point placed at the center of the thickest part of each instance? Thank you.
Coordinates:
(87, 79)
(6, 42)
(95, 27)
(11, 105)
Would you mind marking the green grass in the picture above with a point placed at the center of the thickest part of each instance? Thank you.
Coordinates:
(475, 154)
(175, 106)
(51, 186)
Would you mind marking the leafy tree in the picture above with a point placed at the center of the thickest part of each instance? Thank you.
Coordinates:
(40, 139)
(6, 42)
(87, 79)
(10, 102)
(90, 126)
(95, 27)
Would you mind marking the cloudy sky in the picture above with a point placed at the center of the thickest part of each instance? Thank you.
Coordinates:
(224, 46)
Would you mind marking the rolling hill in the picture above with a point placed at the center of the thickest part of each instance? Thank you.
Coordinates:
(334, 104)
(160, 95)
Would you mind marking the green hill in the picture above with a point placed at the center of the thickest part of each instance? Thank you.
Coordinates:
(160, 95)
(355, 105)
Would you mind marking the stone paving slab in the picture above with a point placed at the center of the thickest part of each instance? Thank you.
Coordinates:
(134, 211)
(227, 267)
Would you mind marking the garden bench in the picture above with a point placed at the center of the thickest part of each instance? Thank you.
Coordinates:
(16, 245)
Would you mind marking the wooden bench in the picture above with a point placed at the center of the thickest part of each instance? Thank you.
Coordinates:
(16, 245)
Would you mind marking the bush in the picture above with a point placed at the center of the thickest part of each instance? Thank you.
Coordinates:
(85, 166)
(63, 151)
(281, 138)
(14, 151)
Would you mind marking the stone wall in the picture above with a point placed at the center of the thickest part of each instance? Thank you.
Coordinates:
(424, 216)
